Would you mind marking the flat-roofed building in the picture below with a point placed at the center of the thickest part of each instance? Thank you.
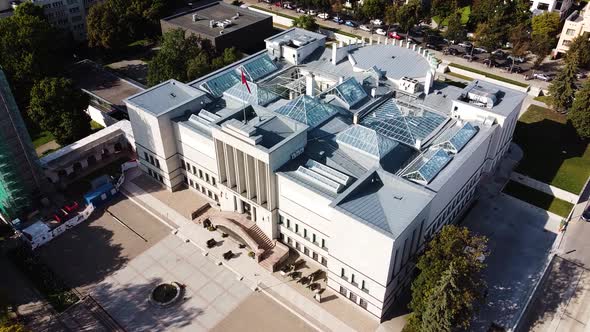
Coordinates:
(224, 25)
(350, 154)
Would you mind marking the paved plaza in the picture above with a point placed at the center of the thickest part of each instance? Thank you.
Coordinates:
(211, 295)
(520, 238)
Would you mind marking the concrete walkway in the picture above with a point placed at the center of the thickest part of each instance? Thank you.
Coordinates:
(544, 187)
(253, 274)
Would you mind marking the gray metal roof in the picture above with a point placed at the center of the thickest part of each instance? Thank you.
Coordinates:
(164, 96)
(391, 60)
(384, 201)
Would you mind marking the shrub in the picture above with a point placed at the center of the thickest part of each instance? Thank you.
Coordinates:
(251, 254)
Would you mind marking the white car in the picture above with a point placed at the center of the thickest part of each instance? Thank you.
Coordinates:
(301, 11)
(365, 28)
(381, 32)
(311, 12)
(324, 16)
(377, 21)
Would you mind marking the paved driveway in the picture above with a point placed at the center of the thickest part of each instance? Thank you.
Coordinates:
(520, 237)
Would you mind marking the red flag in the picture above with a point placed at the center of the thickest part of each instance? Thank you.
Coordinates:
(244, 81)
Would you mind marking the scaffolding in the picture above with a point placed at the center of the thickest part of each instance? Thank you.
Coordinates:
(19, 168)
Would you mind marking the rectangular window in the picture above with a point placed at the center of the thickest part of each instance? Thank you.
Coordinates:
(324, 243)
(363, 303)
(201, 174)
(314, 255)
(194, 170)
(352, 280)
(182, 164)
(216, 198)
(324, 261)
(297, 228)
(289, 241)
(363, 286)
(306, 251)
(313, 239)
(145, 156)
(352, 297)
(212, 180)
(343, 291)
(207, 177)
(281, 236)
(185, 180)
(191, 182)
(342, 272)
(570, 32)
(288, 223)
(157, 163)
(305, 233)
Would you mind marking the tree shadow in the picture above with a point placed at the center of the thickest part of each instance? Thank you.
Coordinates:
(129, 306)
(547, 144)
(559, 287)
(86, 254)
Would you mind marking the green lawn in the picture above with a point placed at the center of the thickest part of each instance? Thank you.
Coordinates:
(542, 99)
(496, 77)
(465, 14)
(552, 151)
(95, 126)
(463, 77)
(539, 199)
(41, 138)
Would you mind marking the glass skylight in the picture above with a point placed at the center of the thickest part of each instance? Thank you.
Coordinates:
(259, 67)
(427, 166)
(463, 136)
(405, 127)
(218, 84)
(307, 110)
(257, 95)
(366, 140)
(350, 91)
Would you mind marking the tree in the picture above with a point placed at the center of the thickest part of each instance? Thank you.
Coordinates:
(487, 37)
(59, 107)
(579, 115)
(372, 9)
(306, 22)
(390, 14)
(453, 248)
(443, 8)
(519, 37)
(172, 59)
(545, 27)
(563, 87)
(29, 8)
(113, 24)
(580, 46)
(30, 49)
(409, 15)
(455, 30)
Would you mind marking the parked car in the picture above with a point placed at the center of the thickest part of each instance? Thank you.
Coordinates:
(365, 28)
(381, 32)
(288, 5)
(377, 22)
(490, 62)
(433, 47)
(516, 59)
(449, 41)
(301, 11)
(466, 44)
(480, 50)
(451, 51)
(337, 19)
(414, 40)
(350, 24)
(278, 4)
(542, 77)
(324, 16)
(394, 35)
(499, 53)
(586, 214)
(312, 12)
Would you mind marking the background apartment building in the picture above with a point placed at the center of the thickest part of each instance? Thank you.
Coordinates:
(577, 24)
(67, 14)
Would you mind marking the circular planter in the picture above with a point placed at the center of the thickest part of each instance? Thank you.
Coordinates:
(166, 294)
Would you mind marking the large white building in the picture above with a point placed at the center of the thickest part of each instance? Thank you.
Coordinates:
(352, 155)
(577, 24)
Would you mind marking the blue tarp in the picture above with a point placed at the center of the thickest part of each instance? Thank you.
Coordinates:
(94, 196)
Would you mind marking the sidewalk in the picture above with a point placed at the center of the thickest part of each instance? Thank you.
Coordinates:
(254, 275)
(544, 187)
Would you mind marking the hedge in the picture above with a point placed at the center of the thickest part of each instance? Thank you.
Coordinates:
(496, 77)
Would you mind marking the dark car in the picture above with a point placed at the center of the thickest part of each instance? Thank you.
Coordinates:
(586, 214)
(432, 47)
(451, 51)
(514, 69)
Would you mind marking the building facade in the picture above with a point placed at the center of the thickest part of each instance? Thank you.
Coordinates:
(67, 14)
(352, 155)
(20, 173)
(577, 24)
(562, 7)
